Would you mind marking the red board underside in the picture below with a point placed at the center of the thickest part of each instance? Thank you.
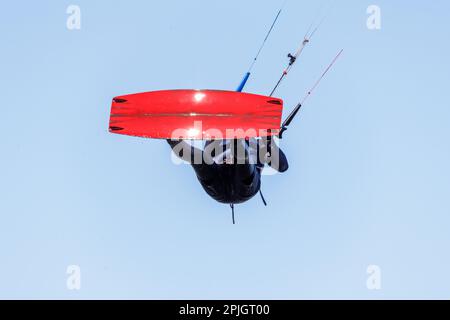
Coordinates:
(196, 114)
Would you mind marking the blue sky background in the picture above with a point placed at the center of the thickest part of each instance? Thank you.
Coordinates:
(368, 184)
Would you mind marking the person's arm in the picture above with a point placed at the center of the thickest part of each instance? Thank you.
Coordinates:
(272, 155)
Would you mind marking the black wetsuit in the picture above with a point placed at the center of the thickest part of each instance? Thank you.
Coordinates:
(231, 181)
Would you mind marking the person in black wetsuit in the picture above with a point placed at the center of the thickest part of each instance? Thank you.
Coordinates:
(230, 170)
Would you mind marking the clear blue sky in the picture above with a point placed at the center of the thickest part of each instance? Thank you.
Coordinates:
(368, 184)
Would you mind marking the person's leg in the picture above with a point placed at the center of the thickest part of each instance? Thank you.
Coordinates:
(186, 151)
(193, 156)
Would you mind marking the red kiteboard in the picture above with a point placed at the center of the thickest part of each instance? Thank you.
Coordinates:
(196, 114)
